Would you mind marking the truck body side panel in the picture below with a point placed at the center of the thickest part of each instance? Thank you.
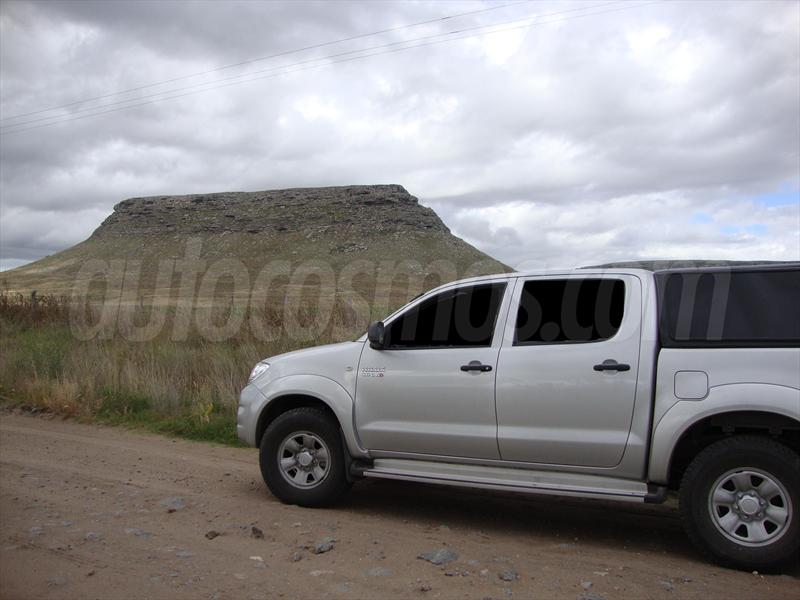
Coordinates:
(739, 379)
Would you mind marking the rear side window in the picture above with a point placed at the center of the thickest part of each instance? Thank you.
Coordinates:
(565, 311)
(730, 308)
(463, 317)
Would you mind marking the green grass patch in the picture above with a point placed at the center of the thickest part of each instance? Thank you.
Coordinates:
(36, 351)
(219, 429)
(122, 404)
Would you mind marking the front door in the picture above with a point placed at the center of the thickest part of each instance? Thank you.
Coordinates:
(430, 390)
(567, 370)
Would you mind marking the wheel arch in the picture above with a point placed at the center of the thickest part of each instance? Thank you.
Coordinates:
(281, 404)
(711, 428)
(312, 391)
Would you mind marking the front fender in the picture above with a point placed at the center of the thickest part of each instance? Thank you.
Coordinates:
(254, 401)
(734, 397)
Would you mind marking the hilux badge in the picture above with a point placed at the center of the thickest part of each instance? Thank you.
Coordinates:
(373, 371)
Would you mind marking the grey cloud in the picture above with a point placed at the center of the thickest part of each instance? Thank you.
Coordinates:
(574, 118)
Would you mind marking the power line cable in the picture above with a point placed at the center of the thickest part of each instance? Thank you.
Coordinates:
(269, 57)
(286, 72)
(248, 75)
(352, 58)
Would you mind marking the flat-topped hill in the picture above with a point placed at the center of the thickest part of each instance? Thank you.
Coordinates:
(380, 225)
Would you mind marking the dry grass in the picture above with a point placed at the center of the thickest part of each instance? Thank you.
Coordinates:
(188, 387)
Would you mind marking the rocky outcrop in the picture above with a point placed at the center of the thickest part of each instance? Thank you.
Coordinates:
(351, 209)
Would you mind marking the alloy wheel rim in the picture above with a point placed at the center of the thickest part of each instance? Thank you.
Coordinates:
(750, 507)
(303, 459)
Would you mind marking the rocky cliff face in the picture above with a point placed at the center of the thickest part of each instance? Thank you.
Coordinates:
(365, 209)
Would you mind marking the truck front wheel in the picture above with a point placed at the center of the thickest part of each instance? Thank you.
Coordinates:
(740, 503)
(302, 459)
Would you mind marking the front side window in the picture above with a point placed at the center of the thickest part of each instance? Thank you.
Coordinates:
(459, 318)
(564, 311)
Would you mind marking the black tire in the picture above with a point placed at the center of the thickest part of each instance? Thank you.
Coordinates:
(718, 468)
(313, 421)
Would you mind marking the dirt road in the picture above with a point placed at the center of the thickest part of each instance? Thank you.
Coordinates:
(88, 512)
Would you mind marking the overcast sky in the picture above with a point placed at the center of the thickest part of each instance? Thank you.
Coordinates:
(605, 131)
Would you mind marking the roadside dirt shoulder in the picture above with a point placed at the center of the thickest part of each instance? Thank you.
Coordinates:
(92, 512)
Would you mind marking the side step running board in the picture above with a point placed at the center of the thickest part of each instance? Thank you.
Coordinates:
(513, 480)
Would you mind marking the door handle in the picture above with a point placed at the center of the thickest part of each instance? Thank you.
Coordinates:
(475, 365)
(611, 365)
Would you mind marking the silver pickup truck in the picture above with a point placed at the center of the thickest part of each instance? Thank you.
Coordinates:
(618, 384)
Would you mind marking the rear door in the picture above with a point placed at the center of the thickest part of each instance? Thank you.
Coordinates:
(567, 370)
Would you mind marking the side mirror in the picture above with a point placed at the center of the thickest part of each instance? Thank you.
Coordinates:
(375, 335)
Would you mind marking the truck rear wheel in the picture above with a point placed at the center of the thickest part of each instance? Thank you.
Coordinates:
(302, 459)
(740, 503)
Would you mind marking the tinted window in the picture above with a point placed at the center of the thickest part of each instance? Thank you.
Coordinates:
(562, 311)
(455, 318)
(747, 308)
